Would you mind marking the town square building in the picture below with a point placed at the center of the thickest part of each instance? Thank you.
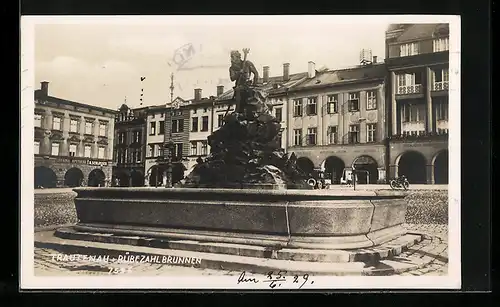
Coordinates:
(165, 123)
(417, 60)
(129, 147)
(73, 142)
(336, 120)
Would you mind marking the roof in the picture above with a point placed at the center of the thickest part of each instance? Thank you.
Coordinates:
(421, 31)
(39, 95)
(269, 86)
(337, 77)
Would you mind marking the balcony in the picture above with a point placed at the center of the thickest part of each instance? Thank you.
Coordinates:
(409, 89)
(440, 86)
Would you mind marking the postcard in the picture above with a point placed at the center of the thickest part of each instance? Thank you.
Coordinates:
(240, 152)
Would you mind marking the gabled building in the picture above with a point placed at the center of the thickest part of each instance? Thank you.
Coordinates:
(417, 60)
(129, 147)
(73, 142)
(336, 120)
(202, 123)
(165, 122)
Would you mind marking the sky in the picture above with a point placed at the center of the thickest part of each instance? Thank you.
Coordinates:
(101, 63)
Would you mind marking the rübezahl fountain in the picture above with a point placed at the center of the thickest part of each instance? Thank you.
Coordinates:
(247, 206)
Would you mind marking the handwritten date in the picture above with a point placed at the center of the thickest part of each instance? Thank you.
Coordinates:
(276, 279)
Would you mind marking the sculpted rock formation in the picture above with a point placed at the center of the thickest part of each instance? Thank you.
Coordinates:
(246, 150)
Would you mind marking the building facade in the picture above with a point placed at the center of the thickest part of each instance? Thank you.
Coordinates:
(336, 120)
(204, 119)
(417, 60)
(130, 147)
(164, 123)
(73, 142)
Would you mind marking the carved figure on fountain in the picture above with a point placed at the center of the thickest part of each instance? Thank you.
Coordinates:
(246, 149)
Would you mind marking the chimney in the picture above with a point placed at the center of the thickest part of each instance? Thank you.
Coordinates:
(286, 71)
(311, 69)
(44, 88)
(220, 90)
(197, 94)
(374, 59)
(265, 74)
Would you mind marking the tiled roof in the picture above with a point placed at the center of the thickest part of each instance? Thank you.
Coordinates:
(420, 31)
(334, 77)
(39, 95)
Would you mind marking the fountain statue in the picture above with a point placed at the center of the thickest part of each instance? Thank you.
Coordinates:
(245, 151)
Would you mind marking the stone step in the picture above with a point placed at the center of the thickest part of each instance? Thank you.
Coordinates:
(235, 262)
(386, 250)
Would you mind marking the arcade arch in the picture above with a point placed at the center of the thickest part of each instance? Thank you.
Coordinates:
(412, 164)
(440, 164)
(73, 177)
(334, 167)
(97, 178)
(45, 177)
(305, 165)
(368, 169)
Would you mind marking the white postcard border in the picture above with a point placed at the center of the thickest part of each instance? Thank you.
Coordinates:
(29, 281)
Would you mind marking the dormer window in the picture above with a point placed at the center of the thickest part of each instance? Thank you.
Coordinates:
(409, 49)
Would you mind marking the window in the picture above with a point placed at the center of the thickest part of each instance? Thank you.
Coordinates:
(88, 127)
(408, 49)
(297, 137)
(220, 120)
(102, 129)
(371, 130)
(279, 138)
(312, 106)
(151, 151)
(371, 100)
(178, 150)
(88, 151)
(441, 44)
(297, 107)
(72, 150)
(177, 125)
(409, 83)
(37, 147)
(204, 148)
(194, 148)
(441, 111)
(353, 102)
(311, 136)
(194, 124)
(55, 149)
(278, 113)
(332, 134)
(413, 112)
(194, 111)
(121, 138)
(152, 128)
(441, 79)
(138, 156)
(137, 136)
(101, 152)
(38, 120)
(56, 123)
(353, 134)
(73, 125)
(333, 104)
(161, 127)
(162, 114)
(204, 123)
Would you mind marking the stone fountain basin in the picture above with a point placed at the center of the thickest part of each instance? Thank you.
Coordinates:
(305, 219)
